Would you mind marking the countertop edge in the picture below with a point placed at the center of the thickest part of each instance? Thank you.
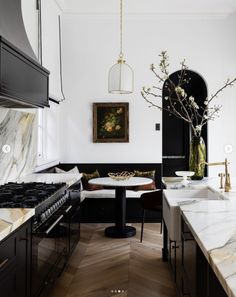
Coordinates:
(17, 217)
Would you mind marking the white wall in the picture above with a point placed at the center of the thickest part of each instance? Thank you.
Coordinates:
(90, 47)
(30, 18)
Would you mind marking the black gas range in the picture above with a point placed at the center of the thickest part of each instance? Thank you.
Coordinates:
(45, 198)
(54, 229)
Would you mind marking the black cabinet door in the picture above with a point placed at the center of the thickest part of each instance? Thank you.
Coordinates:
(189, 261)
(178, 278)
(23, 260)
(198, 278)
(15, 263)
(8, 287)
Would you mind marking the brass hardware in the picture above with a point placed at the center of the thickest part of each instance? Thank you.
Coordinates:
(221, 175)
(227, 185)
(3, 263)
(228, 176)
(121, 60)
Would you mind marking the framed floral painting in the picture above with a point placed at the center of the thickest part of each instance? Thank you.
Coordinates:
(110, 122)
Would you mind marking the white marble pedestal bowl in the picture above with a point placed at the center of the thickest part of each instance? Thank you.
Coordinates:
(184, 175)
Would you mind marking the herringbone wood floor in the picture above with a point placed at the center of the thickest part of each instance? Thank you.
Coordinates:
(105, 267)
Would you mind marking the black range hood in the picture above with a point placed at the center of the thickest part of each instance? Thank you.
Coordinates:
(24, 83)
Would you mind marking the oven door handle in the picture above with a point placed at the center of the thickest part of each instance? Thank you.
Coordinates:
(3, 263)
(68, 209)
(38, 232)
(54, 224)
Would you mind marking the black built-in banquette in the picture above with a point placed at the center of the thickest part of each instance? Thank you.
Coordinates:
(101, 210)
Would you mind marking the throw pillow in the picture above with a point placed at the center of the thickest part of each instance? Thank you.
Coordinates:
(59, 170)
(148, 174)
(85, 181)
(74, 170)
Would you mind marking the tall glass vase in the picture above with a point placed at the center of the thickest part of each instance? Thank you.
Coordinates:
(197, 157)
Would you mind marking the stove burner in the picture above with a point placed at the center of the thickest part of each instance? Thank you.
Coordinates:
(27, 195)
(5, 195)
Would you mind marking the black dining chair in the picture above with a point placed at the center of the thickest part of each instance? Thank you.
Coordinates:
(151, 201)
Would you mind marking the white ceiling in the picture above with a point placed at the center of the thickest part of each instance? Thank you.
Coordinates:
(150, 6)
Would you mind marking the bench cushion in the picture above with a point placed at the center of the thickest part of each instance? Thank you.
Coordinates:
(109, 193)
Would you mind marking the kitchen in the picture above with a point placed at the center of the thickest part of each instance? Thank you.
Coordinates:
(55, 58)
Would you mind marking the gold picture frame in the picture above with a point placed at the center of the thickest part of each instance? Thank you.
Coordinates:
(111, 122)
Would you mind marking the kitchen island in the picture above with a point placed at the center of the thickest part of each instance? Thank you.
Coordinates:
(212, 223)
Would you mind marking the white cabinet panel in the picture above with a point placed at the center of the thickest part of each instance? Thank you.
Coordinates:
(51, 46)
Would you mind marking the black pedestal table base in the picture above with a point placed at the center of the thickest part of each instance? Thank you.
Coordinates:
(126, 232)
(120, 230)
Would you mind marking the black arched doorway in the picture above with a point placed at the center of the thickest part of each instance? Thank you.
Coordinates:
(176, 132)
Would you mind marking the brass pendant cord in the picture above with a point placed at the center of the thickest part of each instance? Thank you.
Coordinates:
(121, 29)
(121, 74)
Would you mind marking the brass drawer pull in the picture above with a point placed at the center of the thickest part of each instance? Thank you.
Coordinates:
(3, 263)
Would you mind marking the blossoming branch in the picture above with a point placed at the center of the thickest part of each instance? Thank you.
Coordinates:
(179, 103)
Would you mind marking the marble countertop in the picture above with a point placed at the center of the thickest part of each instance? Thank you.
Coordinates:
(12, 218)
(213, 224)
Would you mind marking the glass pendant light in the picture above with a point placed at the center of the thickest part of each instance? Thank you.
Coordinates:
(121, 75)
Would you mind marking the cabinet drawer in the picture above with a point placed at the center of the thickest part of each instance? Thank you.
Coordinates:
(7, 252)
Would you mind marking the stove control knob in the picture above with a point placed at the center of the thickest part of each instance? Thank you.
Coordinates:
(43, 216)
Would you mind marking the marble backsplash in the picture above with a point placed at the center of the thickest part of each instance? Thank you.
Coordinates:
(18, 144)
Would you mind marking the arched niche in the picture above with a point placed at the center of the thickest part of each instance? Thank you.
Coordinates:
(176, 132)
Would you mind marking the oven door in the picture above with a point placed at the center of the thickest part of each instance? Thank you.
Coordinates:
(72, 225)
(49, 249)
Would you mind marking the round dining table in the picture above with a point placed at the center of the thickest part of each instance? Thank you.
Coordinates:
(120, 230)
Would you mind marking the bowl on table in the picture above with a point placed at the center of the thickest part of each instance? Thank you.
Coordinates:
(124, 175)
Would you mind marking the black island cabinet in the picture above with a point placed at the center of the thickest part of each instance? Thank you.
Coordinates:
(199, 280)
(191, 272)
(15, 263)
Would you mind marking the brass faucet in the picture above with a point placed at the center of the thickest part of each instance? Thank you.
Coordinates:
(221, 175)
(227, 185)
